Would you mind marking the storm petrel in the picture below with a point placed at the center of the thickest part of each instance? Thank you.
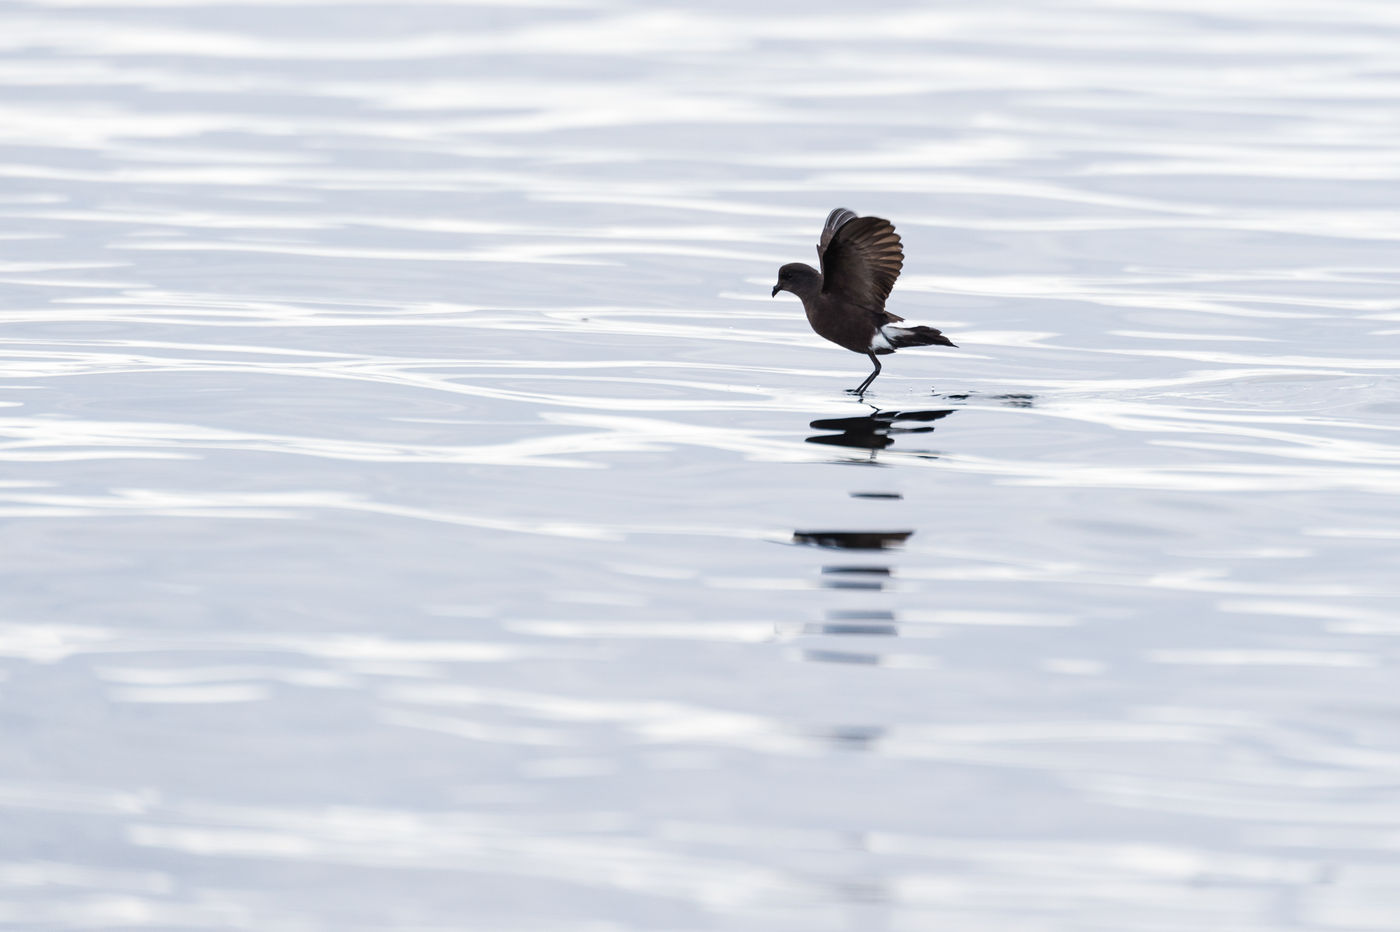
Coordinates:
(845, 301)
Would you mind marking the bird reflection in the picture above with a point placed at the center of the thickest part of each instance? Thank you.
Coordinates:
(855, 737)
(841, 656)
(852, 540)
(854, 577)
(875, 431)
(850, 629)
(1009, 400)
(872, 636)
(870, 432)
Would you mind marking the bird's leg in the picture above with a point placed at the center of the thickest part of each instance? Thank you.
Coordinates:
(868, 379)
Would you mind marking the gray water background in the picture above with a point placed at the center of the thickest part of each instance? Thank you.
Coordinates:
(408, 519)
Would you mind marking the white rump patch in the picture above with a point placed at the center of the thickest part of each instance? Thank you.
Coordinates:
(883, 338)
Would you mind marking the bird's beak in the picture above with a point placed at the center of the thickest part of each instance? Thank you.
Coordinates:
(776, 289)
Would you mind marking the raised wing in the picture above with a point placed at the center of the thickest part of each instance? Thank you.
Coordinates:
(861, 258)
(833, 220)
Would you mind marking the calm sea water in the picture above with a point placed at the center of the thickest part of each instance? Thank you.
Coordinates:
(417, 515)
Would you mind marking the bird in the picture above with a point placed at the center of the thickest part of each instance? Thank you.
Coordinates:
(845, 302)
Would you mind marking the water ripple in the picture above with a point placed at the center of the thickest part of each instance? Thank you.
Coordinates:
(411, 484)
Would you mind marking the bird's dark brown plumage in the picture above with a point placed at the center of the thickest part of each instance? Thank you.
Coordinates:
(861, 258)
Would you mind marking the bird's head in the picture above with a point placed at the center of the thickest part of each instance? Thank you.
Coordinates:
(798, 278)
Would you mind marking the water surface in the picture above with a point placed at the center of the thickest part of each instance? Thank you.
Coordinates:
(418, 515)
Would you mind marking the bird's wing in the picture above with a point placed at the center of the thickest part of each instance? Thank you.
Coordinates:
(861, 260)
(833, 220)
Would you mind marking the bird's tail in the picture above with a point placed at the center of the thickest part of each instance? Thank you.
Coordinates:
(901, 337)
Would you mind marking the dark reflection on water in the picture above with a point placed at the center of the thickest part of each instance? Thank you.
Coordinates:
(855, 737)
(1010, 400)
(841, 656)
(874, 431)
(860, 615)
(868, 584)
(855, 577)
(848, 629)
(852, 540)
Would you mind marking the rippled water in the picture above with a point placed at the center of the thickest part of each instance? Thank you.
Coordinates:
(417, 515)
